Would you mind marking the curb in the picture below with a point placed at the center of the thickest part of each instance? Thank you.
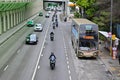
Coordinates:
(112, 77)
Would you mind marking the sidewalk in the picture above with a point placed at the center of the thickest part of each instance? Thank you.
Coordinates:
(112, 65)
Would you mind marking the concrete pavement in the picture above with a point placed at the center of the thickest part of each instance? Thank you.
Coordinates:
(111, 65)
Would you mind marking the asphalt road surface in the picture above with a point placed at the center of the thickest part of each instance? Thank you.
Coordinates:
(31, 62)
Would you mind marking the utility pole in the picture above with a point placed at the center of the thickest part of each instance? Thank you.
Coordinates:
(111, 26)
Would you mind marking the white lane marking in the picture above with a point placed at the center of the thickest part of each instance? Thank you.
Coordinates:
(68, 67)
(70, 78)
(69, 72)
(35, 70)
(67, 62)
(66, 55)
(67, 58)
(39, 67)
(5, 68)
(18, 51)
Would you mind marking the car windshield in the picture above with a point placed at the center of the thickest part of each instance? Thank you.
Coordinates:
(38, 25)
(30, 22)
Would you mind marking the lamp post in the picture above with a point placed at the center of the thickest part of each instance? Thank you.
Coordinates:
(111, 26)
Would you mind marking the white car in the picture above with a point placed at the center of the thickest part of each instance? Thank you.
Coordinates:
(38, 27)
(47, 15)
(49, 12)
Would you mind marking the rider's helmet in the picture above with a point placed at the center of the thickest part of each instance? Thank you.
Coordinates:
(52, 53)
(51, 33)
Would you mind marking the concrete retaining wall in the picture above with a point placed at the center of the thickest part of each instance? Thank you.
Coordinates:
(33, 7)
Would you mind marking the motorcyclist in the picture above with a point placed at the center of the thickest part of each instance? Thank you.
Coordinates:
(52, 56)
(53, 25)
(52, 34)
(56, 23)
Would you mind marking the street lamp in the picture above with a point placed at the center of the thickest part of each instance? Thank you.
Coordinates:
(111, 26)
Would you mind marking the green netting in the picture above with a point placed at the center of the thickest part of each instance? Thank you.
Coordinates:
(11, 6)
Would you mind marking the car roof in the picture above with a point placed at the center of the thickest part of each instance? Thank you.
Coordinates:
(33, 35)
(39, 24)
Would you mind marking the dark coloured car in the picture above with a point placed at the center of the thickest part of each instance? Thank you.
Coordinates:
(30, 23)
(40, 14)
(31, 39)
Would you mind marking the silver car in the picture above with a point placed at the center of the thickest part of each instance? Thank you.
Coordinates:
(38, 27)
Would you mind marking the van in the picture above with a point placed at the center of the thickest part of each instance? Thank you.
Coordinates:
(31, 39)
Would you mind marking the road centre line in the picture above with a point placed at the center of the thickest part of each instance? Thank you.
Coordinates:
(35, 70)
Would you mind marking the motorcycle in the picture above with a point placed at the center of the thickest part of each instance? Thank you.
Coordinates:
(52, 64)
(54, 25)
(51, 37)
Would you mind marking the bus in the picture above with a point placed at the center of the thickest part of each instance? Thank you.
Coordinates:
(85, 38)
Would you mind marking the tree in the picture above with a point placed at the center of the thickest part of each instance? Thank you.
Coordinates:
(85, 7)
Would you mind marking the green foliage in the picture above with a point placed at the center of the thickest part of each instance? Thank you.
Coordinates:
(90, 12)
(85, 3)
(87, 6)
(73, 0)
(102, 20)
(77, 15)
(82, 3)
(101, 37)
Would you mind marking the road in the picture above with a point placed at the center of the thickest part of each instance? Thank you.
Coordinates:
(86, 69)
(30, 62)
